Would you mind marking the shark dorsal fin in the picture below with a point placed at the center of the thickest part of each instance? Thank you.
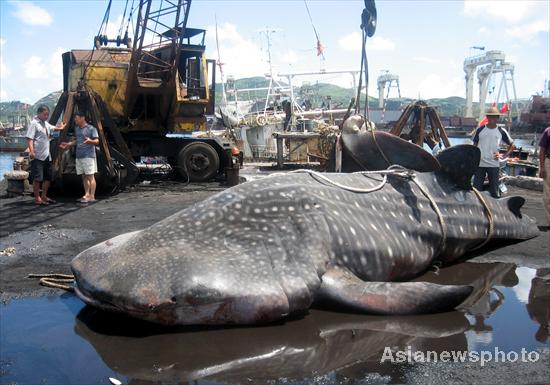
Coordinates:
(460, 162)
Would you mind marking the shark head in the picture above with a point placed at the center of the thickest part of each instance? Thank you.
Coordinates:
(190, 268)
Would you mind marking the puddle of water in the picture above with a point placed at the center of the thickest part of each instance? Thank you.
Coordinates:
(39, 345)
(56, 340)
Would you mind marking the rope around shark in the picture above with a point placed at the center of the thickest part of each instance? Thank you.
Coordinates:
(409, 174)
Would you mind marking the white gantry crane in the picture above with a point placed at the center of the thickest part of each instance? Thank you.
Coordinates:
(386, 80)
(488, 66)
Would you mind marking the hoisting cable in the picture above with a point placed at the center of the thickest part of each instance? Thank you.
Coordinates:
(365, 69)
(106, 16)
(122, 20)
(360, 84)
(129, 20)
(103, 23)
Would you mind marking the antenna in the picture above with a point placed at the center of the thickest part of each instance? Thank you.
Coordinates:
(220, 64)
(268, 31)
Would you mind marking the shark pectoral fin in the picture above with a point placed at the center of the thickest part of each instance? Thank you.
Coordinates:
(392, 298)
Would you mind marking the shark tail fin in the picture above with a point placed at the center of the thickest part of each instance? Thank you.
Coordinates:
(391, 298)
(515, 204)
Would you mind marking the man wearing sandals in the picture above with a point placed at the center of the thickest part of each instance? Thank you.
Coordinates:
(86, 164)
(38, 142)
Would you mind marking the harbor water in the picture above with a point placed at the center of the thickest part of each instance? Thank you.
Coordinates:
(6, 162)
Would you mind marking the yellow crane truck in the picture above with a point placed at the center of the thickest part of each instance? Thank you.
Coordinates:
(149, 99)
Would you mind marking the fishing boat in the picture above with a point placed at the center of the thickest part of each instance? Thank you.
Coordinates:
(12, 137)
(522, 163)
(13, 143)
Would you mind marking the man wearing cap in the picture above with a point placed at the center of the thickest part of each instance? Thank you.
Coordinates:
(488, 138)
(544, 171)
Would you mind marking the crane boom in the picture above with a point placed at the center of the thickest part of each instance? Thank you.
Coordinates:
(160, 30)
(148, 101)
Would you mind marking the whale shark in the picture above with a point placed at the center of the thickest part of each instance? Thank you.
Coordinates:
(268, 249)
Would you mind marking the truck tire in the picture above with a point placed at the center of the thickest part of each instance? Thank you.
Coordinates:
(198, 161)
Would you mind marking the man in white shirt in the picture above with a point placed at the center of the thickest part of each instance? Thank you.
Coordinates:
(488, 138)
(38, 141)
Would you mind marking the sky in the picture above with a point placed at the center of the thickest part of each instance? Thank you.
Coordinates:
(424, 43)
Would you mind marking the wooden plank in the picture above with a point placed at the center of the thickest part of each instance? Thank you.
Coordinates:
(102, 140)
(398, 127)
(119, 140)
(59, 107)
(67, 115)
(279, 152)
(434, 118)
(422, 126)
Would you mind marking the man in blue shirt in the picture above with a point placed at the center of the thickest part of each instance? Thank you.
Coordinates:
(86, 164)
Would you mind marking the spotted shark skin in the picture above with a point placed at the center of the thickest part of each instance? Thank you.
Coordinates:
(267, 249)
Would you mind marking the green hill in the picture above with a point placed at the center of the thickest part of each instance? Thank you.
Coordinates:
(16, 110)
(50, 100)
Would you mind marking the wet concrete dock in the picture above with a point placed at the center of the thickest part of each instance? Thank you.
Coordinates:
(49, 336)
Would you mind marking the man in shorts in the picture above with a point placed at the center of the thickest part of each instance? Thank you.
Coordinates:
(38, 142)
(86, 164)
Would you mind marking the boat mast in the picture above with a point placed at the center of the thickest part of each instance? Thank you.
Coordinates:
(267, 32)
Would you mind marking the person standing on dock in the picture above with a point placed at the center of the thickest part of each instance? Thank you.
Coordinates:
(86, 164)
(488, 138)
(544, 172)
(38, 142)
